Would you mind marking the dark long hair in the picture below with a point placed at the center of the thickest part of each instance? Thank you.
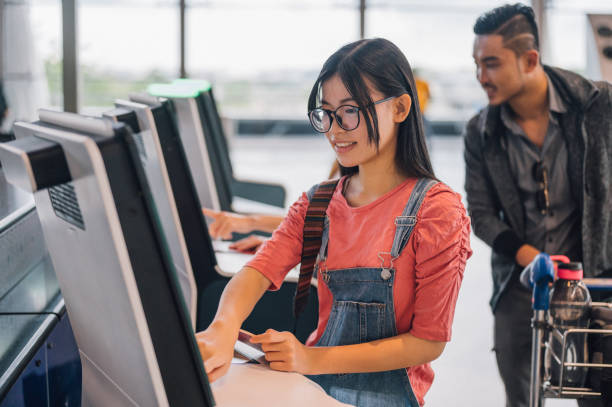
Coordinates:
(383, 64)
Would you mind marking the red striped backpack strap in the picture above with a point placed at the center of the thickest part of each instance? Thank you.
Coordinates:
(313, 232)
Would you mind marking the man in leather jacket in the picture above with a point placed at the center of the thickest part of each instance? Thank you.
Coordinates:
(538, 175)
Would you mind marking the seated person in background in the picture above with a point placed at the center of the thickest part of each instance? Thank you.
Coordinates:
(225, 223)
(398, 242)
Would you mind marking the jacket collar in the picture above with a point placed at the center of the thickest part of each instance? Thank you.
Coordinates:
(576, 92)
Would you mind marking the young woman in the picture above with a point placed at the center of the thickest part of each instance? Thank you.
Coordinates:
(394, 247)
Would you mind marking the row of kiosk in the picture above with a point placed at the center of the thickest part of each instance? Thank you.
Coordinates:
(119, 200)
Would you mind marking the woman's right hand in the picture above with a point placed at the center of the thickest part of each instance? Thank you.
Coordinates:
(225, 223)
(216, 345)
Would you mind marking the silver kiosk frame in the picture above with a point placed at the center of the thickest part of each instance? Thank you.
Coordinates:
(140, 119)
(194, 142)
(116, 274)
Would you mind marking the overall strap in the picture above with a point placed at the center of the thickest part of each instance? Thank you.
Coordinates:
(404, 224)
(313, 230)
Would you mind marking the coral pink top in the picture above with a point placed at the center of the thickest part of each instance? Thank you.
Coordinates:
(428, 271)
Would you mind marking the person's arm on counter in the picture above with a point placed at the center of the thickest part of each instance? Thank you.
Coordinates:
(280, 254)
(224, 223)
(286, 353)
(216, 343)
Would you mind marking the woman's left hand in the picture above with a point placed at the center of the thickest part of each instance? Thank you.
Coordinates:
(285, 352)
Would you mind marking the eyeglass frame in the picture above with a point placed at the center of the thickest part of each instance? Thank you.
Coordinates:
(543, 187)
(333, 116)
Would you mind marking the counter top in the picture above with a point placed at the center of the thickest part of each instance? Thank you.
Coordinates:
(254, 385)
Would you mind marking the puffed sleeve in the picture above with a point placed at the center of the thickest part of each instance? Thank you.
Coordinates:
(442, 247)
(283, 250)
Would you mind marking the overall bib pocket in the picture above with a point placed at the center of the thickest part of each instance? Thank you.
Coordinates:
(352, 322)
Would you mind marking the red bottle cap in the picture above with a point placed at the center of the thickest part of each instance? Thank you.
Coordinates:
(570, 271)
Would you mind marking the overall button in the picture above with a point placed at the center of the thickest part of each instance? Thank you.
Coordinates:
(385, 274)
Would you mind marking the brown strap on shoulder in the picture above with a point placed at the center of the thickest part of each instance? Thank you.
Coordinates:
(313, 232)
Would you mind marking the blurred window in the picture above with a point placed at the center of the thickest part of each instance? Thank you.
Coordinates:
(124, 46)
(263, 56)
(437, 38)
(31, 48)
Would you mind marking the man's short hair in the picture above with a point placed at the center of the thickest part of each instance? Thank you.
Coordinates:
(515, 23)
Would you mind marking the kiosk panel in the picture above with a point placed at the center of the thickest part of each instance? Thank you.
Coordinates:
(274, 309)
(153, 163)
(195, 145)
(192, 220)
(116, 274)
(219, 161)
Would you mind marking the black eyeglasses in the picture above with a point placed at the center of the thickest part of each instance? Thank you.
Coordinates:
(540, 175)
(604, 31)
(347, 117)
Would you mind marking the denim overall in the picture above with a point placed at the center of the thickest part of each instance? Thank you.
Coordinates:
(362, 311)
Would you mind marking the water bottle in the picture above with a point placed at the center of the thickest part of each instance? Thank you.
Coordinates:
(570, 304)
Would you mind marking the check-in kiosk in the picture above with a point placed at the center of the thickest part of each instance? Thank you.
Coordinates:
(242, 191)
(204, 163)
(113, 264)
(274, 310)
(198, 117)
(140, 120)
(160, 117)
(213, 119)
(211, 123)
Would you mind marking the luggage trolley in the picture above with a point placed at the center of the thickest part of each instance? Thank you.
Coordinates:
(541, 387)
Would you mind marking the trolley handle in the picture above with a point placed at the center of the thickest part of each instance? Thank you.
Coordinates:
(539, 274)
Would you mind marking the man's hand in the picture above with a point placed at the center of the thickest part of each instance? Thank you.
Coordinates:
(225, 223)
(285, 352)
(525, 255)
